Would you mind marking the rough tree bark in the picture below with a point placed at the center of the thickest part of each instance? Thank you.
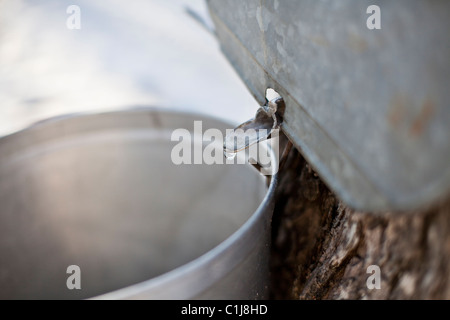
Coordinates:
(321, 249)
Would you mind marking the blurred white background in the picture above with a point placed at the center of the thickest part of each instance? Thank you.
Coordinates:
(126, 54)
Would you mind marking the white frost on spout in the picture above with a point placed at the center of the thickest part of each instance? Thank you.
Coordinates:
(272, 95)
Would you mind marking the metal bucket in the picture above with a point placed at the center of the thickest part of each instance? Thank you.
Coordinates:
(100, 192)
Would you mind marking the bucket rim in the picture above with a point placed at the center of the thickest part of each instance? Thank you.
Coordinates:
(194, 277)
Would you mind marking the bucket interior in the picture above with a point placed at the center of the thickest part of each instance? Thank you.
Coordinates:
(113, 203)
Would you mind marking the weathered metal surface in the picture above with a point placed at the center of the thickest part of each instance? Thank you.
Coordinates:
(369, 109)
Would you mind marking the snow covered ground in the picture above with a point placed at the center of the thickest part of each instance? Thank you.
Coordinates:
(127, 53)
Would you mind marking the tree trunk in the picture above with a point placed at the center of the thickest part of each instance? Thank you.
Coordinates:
(322, 250)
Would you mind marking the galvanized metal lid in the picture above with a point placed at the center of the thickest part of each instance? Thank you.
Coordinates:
(369, 109)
